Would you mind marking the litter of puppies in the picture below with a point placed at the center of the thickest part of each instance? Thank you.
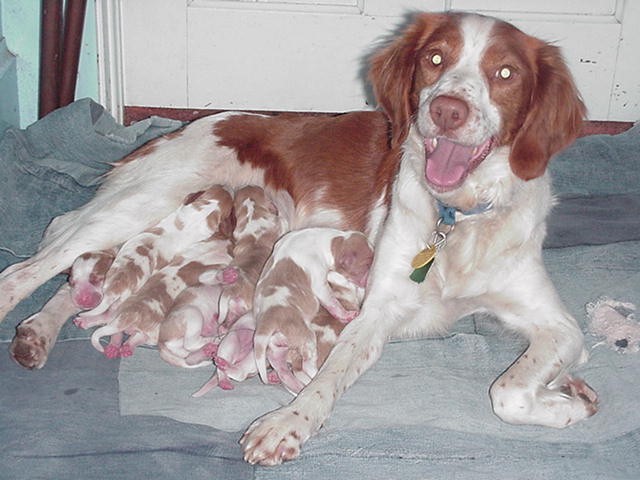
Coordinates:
(196, 287)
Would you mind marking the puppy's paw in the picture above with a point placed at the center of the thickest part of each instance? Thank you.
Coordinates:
(229, 275)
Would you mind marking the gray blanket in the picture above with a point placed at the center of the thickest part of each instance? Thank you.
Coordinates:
(54, 166)
(422, 412)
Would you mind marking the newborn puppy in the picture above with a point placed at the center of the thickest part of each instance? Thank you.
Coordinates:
(288, 364)
(201, 214)
(325, 326)
(291, 290)
(142, 313)
(86, 277)
(258, 226)
(234, 359)
(189, 335)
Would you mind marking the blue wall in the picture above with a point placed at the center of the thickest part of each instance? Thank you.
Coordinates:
(8, 84)
(20, 25)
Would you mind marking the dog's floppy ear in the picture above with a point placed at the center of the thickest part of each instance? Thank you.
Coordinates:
(392, 73)
(554, 119)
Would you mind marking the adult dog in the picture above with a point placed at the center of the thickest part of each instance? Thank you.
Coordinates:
(456, 168)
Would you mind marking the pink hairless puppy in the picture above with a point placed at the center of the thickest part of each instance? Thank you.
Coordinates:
(86, 277)
(258, 226)
(234, 359)
(142, 313)
(201, 214)
(189, 336)
(292, 288)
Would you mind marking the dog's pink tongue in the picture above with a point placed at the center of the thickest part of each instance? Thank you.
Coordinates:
(448, 163)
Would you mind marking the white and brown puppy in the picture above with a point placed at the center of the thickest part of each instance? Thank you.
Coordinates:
(326, 327)
(291, 290)
(287, 363)
(142, 313)
(190, 334)
(201, 215)
(234, 358)
(87, 275)
(258, 226)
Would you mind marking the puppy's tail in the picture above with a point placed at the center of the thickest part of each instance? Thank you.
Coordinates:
(105, 331)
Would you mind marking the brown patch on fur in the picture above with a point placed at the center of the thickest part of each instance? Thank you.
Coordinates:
(136, 311)
(101, 267)
(192, 197)
(288, 274)
(158, 231)
(250, 253)
(143, 250)
(125, 278)
(336, 160)
(509, 48)
(353, 257)
(324, 321)
(190, 272)
(403, 67)
(539, 104)
(554, 119)
(222, 218)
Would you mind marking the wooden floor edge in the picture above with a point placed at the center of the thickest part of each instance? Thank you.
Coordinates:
(135, 113)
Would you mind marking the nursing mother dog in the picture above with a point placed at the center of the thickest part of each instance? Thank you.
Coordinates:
(449, 181)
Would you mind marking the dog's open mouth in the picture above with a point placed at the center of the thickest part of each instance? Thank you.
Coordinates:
(449, 162)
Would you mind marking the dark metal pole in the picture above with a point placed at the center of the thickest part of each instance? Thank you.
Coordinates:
(72, 43)
(50, 28)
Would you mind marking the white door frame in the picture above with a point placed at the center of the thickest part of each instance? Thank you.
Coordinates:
(110, 64)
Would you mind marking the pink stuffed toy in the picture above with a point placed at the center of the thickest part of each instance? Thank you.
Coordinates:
(615, 321)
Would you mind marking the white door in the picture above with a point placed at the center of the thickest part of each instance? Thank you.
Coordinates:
(309, 55)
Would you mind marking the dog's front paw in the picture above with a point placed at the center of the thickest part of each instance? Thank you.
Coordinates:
(276, 437)
(29, 348)
(563, 402)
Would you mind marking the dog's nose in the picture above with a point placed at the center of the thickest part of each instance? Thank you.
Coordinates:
(448, 113)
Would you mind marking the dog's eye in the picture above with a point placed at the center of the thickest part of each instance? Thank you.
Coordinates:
(436, 58)
(505, 72)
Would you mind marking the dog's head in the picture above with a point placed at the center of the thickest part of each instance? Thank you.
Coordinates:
(465, 85)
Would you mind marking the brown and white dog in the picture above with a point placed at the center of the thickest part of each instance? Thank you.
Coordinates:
(474, 109)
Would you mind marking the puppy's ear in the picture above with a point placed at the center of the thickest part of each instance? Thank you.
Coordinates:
(392, 72)
(554, 119)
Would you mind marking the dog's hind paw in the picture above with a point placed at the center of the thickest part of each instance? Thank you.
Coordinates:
(28, 348)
